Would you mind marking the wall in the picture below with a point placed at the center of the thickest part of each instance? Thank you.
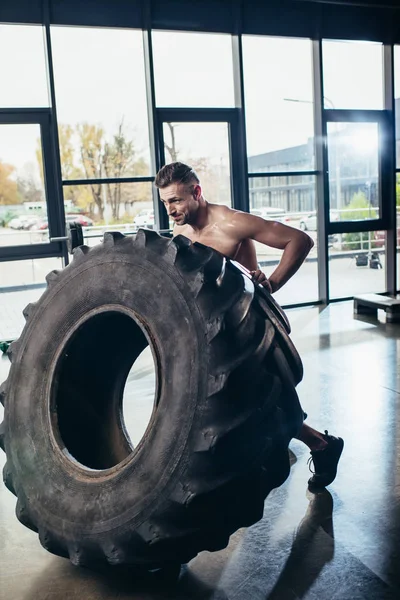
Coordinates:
(364, 19)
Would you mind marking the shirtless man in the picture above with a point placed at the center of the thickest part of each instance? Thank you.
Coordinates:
(232, 232)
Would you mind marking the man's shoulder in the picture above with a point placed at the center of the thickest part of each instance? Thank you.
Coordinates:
(229, 214)
(222, 209)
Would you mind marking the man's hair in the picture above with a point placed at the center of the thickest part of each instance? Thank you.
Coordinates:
(175, 172)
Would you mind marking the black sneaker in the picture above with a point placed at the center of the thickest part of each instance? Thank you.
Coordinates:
(325, 462)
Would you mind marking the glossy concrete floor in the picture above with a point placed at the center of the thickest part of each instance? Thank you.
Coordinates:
(343, 544)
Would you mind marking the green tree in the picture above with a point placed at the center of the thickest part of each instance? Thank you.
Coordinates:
(358, 209)
(6, 217)
(8, 187)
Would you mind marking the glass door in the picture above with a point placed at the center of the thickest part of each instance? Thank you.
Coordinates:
(358, 218)
(205, 140)
(27, 183)
(23, 207)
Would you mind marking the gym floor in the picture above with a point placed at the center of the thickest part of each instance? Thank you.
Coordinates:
(342, 544)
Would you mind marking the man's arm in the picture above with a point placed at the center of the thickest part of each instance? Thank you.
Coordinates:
(295, 244)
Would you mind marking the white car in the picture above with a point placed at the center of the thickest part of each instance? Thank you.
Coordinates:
(309, 222)
(23, 222)
(145, 218)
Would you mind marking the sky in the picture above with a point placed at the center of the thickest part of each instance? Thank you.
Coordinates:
(99, 78)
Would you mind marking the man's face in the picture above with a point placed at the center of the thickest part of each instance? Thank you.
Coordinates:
(181, 202)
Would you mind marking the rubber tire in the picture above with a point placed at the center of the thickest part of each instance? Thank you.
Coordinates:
(74, 234)
(226, 404)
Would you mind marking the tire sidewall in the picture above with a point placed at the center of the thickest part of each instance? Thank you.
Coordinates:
(63, 495)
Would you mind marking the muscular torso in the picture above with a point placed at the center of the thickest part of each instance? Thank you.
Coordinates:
(221, 235)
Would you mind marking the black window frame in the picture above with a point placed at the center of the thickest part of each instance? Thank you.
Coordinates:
(55, 209)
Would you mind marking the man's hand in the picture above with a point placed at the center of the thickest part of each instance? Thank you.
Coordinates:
(260, 277)
(296, 244)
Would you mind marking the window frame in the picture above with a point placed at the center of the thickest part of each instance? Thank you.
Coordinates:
(43, 118)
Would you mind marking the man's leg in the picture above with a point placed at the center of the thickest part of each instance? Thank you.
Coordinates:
(325, 454)
(325, 449)
(314, 439)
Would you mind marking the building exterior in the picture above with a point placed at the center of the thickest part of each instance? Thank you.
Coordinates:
(351, 173)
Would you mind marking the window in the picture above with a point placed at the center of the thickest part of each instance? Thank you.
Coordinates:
(397, 101)
(357, 263)
(103, 124)
(206, 148)
(23, 67)
(23, 206)
(279, 104)
(101, 207)
(193, 69)
(353, 76)
(101, 102)
(353, 160)
(26, 272)
(290, 200)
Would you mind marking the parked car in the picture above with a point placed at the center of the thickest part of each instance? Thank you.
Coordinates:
(379, 238)
(145, 218)
(42, 225)
(30, 223)
(15, 223)
(83, 220)
(23, 222)
(309, 222)
(79, 218)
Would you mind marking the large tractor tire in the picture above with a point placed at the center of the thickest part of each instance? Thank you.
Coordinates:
(225, 404)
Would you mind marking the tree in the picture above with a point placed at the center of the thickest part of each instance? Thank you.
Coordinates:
(172, 151)
(67, 155)
(91, 139)
(78, 195)
(118, 160)
(86, 154)
(136, 192)
(29, 189)
(358, 209)
(8, 187)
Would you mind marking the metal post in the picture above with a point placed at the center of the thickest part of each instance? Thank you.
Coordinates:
(160, 215)
(59, 196)
(390, 171)
(322, 176)
(242, 201)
